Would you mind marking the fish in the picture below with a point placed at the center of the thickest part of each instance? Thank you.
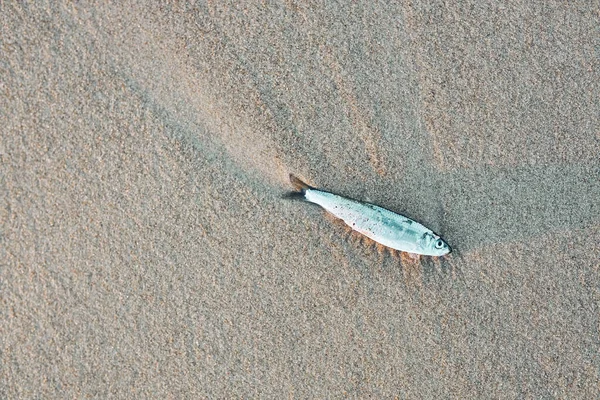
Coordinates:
(377, 223)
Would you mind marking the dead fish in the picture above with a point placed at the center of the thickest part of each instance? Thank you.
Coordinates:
(383, 226)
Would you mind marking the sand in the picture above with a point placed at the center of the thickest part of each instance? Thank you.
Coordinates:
(146, 250)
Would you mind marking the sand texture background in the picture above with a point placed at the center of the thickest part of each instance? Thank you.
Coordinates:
(146, 250)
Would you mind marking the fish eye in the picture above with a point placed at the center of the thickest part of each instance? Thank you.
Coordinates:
(439, 244)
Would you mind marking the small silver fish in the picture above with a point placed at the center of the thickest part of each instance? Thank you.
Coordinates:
(383, 226)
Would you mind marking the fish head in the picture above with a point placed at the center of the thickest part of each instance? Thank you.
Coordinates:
(433, 245)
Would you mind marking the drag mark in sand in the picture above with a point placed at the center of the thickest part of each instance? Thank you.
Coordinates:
(368, 134)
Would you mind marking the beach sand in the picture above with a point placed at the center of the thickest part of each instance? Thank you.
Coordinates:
(146, 249)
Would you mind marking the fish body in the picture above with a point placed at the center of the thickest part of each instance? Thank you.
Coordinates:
(383, 226)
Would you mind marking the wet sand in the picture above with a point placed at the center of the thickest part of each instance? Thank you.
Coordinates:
(146, 250)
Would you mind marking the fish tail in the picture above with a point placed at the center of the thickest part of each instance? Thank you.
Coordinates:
(300, 188)
(298, 184)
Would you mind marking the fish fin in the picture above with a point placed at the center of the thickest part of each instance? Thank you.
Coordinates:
(294, 196)
(298, 184)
